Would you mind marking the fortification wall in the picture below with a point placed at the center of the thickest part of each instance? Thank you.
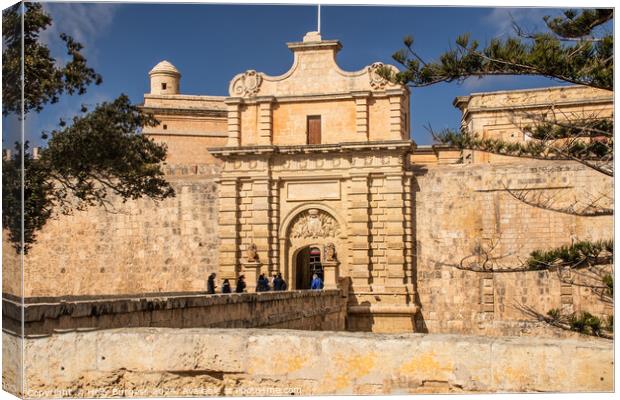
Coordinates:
(310, 310)
(139, 246)
(459, 208)
(141, 362)
(172, 246)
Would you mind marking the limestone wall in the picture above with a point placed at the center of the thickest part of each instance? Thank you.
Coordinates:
(504, 114)
(136, 247)
(172, 246)
(143, 362)
(460, 207)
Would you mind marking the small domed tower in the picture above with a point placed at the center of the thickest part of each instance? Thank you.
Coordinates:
(165, 78)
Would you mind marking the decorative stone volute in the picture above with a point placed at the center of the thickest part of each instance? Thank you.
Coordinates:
(247, 84)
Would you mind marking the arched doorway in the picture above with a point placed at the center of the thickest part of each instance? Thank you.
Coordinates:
(307, 263)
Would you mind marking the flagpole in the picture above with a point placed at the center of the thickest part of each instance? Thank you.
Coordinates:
(319, 19)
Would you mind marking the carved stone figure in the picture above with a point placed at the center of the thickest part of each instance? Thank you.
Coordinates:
(330, 252)
(248, 84)
(314, 224)
(251, 253)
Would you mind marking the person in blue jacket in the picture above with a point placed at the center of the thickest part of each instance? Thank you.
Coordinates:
(317, 283)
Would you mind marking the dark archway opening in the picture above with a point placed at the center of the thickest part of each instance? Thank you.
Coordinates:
(308, 262)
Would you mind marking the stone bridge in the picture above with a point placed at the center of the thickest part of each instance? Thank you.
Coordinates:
(297, 309)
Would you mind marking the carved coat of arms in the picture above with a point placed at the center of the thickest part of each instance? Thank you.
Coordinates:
(247, 84)
(314, 224)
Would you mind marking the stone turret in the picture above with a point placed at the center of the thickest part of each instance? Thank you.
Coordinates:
(165, 78)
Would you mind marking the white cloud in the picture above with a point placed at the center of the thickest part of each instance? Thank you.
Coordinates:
(85, 22)
(528, 19)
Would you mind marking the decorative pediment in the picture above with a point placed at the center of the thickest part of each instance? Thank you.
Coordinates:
(314, 72)
(314, 224)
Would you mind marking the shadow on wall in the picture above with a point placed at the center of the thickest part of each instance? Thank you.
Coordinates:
(359, 318)
(418, 318)
(353, 322)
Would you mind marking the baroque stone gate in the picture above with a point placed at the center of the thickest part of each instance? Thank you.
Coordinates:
(318, 157)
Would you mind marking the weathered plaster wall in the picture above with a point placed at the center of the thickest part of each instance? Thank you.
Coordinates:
(309, 310)
(459, 207)
(137, 247)
(142, 362)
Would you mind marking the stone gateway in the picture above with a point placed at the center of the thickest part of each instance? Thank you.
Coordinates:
(304, 150)
(314, 172)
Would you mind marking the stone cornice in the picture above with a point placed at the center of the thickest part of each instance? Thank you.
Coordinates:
(318, 97)
(323, 44)
(190, 112)
(188, 134)
(579, 102)
(190, 97)
(403, 145)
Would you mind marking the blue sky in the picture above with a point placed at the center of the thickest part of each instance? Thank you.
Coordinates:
(211, 43)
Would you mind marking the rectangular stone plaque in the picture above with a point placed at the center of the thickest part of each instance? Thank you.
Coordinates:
(313, 190)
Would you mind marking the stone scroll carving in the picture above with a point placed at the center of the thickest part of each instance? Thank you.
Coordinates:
(314, 224)
(247, 84)
(378, 82)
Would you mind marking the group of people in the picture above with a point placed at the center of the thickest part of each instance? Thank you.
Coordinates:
(262, 285)
(277, 283)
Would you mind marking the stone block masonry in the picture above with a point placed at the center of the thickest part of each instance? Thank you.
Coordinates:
(140, 246)
(141, 362)
(461, 208)
(172, 246)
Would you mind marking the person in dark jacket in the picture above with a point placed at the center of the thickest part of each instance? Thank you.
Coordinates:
(211, 284)
(240, 284)
(263, 284)
(226, 286)
(317, 283)
(278, 283)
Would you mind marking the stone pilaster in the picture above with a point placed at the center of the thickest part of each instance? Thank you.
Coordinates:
(274, 224)
(566, 291)
(393, 196)
(377, 235)
(361, 114)
(234, 120)
(265, 126)
(397, 116)
(228, 221)
(409, 241)
(259, 220)
(358, 221)
(487, 295)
